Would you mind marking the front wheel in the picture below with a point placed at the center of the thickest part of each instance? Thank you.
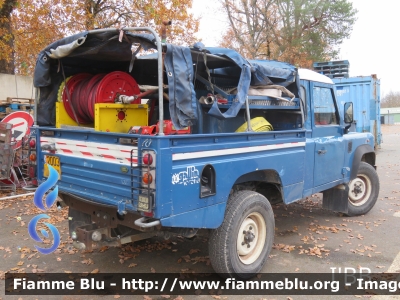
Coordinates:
(241, 245)
(363, 190)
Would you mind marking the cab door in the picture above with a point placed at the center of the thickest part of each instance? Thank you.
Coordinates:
(327, 134)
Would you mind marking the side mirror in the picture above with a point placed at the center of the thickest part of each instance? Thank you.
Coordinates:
(348, 112)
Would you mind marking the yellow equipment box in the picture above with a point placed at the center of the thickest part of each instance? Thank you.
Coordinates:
(109, 117)
(112, 117)
(62, 117)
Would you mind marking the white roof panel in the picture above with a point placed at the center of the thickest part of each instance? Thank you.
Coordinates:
(314, 76)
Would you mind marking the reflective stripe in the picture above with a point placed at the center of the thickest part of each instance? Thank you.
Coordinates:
(212, 153)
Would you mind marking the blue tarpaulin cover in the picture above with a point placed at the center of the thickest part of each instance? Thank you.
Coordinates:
(86, 52)
(182, 97)
(97, 52)
(253, 73)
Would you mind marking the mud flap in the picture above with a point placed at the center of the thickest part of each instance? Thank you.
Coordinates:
(336, 198)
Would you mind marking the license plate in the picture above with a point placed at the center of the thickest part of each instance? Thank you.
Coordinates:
(143, 203)
(53, 161)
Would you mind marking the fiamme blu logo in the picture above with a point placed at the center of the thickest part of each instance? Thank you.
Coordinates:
(45, 205)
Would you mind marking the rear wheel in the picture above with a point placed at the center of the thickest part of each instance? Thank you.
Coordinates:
(241, 245)
(363, 190)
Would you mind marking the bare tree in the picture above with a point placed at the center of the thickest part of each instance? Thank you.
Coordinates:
(391, 100)
(297, 31)
(251, 23)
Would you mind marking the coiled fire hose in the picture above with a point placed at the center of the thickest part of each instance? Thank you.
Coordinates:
(85, 90)
(258, 124)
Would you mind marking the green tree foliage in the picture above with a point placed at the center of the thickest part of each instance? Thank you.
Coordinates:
(297, 31)
(391, 99)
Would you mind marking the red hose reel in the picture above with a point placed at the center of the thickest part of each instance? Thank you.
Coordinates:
(85, 90)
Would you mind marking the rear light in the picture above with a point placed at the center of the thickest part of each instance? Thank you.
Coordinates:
(32, 143)
(147, 178)
(32, 172)
(147, 159)
(32, 157)
(147, 162)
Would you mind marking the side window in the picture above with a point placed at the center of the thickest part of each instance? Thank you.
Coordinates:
(324, 107)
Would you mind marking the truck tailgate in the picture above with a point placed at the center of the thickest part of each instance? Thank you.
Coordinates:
(94, 166)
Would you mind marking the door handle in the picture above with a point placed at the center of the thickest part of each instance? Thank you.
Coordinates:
(321, 151)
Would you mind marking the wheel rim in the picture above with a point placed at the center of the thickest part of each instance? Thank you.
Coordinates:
(251, 238)
(359, 190)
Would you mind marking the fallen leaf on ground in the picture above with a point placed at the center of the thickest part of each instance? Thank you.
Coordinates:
(192, 251)
(104, 248)
(132, 265)
(88, 261)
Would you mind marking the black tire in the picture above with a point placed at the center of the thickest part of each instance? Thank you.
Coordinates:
(229, 253)
(363, 190)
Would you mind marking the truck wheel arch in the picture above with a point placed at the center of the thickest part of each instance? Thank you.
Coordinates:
(270, 176)
(363, 153)
(266, 182)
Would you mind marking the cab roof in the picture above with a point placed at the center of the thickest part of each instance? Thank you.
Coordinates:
(306, 74)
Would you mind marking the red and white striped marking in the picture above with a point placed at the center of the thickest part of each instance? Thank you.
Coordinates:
(114, 153)
(121, 154)
(230, 151)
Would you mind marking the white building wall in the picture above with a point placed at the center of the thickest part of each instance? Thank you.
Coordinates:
(16, 86)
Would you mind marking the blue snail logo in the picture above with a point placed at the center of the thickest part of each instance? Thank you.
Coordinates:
(49, 201)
